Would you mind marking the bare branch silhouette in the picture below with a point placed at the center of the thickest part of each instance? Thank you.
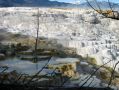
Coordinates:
(90, 82)
(37, 36)
(112, 74)
(38, 72)
(5, 68)
(111, 7)
(107, 13)
(65, 81)
(93, 73)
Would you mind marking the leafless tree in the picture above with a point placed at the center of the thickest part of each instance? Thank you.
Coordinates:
(37, 35)
(110, 13)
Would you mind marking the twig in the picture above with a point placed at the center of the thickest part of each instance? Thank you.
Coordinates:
(38, 72)
(104, 14)
(91, 82)
(112, 74)
(65, 81)
(6, 68)
(111, 8)
(94, 73)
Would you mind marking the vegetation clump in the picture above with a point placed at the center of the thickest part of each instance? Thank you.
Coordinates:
(90, 60)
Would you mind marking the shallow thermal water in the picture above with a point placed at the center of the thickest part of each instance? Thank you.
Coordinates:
(22, 66)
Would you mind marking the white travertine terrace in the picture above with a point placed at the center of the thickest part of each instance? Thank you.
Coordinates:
(87, 31)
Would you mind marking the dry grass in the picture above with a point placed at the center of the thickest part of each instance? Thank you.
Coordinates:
(109, 13)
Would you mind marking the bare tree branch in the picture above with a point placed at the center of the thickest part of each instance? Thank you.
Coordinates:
(65, 81)
(38, 72)
(111, 8)
(94, 73)
(90, 82)
(107, 13)
(112, 74)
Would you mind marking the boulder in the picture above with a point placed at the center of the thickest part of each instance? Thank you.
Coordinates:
(2, 56)
(92, 19)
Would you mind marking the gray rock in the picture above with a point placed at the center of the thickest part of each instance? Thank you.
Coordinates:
(2, 56)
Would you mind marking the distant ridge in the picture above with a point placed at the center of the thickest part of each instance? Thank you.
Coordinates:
(31, 3)
(48, 3)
